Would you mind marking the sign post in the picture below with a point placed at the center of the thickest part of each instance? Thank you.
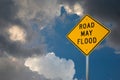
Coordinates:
(87, 67)
(86, 36)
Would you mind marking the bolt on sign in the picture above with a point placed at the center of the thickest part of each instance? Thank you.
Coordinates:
(87, 34)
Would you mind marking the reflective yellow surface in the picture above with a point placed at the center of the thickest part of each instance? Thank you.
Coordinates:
(87, 34)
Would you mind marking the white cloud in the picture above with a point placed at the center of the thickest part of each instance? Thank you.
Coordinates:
(16, 33)
(52, 67)
(41, 12)
(117, 52)
(12, 68)
(78, 9)
(75, 9)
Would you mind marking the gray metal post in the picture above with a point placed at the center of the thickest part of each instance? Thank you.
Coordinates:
(87, 67)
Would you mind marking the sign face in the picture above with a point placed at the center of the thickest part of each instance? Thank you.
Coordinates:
(87, 34)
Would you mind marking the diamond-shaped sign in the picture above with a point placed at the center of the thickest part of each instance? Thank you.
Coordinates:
(87, 34)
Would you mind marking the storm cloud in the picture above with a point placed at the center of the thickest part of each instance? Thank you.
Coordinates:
(21, 22)
(17, 19)
(105, 11)
(12, 68)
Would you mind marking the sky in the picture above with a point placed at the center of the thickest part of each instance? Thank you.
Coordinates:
(33, 43)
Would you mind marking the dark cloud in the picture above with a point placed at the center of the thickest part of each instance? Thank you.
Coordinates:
(18, 50)
(7, 13)
(11, 69)
(9, 17)
(70, 2)
(106, 11)
(114, 38)
(28, 15)
(7, 10)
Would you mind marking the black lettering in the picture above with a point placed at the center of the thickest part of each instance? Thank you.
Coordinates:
(80, 26)
(82, 41)
(90, 40)
(90, 32)
(82, 33)
(87, 33)
(94, 39)
(92, 24)
(88, 26)
(84, 26)
(79, 41)
(85, 40)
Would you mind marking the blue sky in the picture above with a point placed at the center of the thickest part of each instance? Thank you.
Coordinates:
(104, 63)
(33, 43)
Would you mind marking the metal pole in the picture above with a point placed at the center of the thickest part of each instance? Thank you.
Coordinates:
(87, 67)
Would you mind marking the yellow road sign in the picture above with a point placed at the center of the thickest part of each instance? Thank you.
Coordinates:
(87, 34)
